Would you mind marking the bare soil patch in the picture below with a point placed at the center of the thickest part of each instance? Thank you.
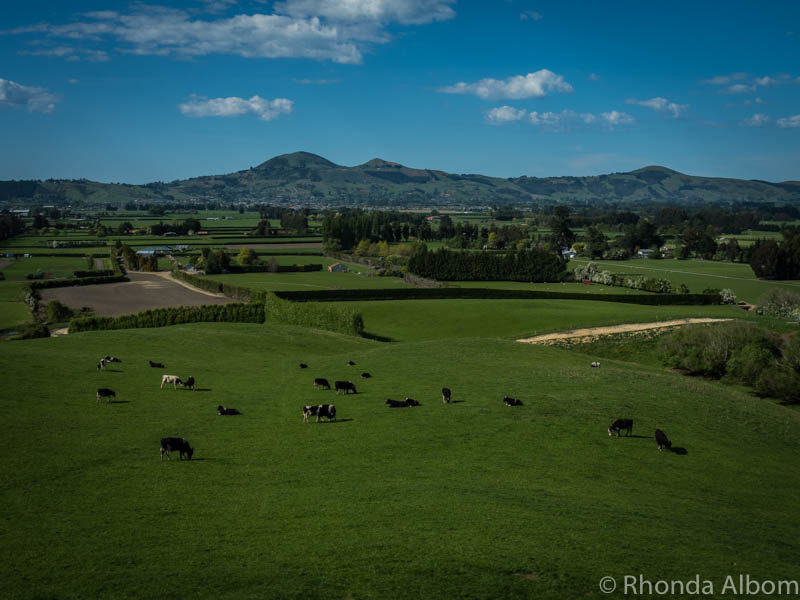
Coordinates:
(593, 332)
(5, 263)
(142, 292)
(277, 246)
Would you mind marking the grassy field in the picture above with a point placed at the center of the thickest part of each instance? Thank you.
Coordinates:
(570, 288)
(418, 320)
(698, 275)
(469, 500)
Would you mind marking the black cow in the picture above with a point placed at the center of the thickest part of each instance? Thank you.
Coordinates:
(411, 402)
(221, 410)
(512, 401)
(303, 366)
(172, 444)
(321, 382)
(620, 424)
(366, 375)
(347, 386)
(189, 383)
(396, 403)
(156, 365)
(446, 395)
(350, 363)
(662, 440)
(105, 393)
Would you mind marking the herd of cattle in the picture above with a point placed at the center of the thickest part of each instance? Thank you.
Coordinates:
(328, 411)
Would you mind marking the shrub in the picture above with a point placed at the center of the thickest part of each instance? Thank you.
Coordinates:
(746, 364)
(727, 296)
(57, 312)
(37, 275)
(779, 382)
(780, 303)
(33, 330)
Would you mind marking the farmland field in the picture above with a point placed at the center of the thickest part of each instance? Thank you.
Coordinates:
(467, 500)
(697, 275)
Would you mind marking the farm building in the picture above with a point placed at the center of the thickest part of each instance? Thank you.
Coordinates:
(153, 250)
(644, 253)
(337, 268)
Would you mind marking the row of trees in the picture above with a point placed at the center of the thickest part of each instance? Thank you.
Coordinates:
(535, 265)
(10, 225)
(773, 259)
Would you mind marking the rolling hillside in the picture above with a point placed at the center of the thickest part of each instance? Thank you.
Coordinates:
(304, 178)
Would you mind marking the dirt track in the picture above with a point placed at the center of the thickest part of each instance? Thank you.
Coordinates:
(592, 332)
(143, 291)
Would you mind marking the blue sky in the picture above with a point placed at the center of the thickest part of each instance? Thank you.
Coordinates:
(134, 92)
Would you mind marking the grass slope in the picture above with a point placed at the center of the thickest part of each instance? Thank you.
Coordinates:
(469, 500)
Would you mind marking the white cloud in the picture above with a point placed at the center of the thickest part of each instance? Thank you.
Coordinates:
(313, 29)
(531, 15)
(725, 79)
(560, 121)
(505, 114)
(739, 88)
(267, 110)
(306, 81)
(661, 105)
(35, 99)
(757, 120)
(73, 80)
(532, 85)
(615, 118)
(789, 122)
(766, 81)
(594, 77)
(408, 12)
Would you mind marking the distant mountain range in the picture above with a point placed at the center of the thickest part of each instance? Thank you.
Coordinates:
(307, 179)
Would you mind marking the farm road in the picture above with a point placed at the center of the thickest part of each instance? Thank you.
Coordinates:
(142, 292)
(596, 331)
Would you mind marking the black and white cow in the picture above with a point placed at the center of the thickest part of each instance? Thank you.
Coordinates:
(620, 424)
(512, 401)
(411, 402)
(102, 364)
(346, 386)
(595, 365)
(321, 382)
(310, 411)
(173, 379)
(110, 359)
(156, 365)
(175, 444)
(105, 393)
(189, 383)
(326, 410)
(662, 440)
(221, 410)
(446, 395)
(396, 403)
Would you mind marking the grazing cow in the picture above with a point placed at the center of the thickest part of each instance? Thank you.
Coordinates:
(189, 383)
(512, 401)
(105, 393)
(350, 363)
(221, 410)
(102, 364)
(326, 410)
(110, 359)
(155, 365)
(347, 386)
(303, 366)
(411, 402)
(172, 444)
(396, 403)
(173, 379)
(366, 375)
(620, 424)
(310, 411)
(595, 365)
(321, 382)
(446, 395)
(662, 440)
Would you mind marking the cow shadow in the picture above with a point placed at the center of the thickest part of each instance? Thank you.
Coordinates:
(118, 402)
(456, 401)
(113, 370)
(679, 451)
(376, 337)
(198, 390)
(640, 437)
(334, 422)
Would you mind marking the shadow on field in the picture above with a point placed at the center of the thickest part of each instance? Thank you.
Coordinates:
(334, 422)
(199, 390)
(376, 337)
(641, 437)
(457, 401)
(679, 451)
(118, 402)
(113, 371)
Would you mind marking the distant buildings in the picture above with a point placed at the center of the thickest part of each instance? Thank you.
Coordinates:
(337, 268)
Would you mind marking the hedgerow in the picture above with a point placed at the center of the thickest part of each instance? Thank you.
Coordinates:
(161, 317)
(591, 273)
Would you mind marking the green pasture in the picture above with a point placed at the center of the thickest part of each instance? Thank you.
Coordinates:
(12, 313)
(356, 278)
(698, 275)
(467, 500)
(570, 288)
(419, 320)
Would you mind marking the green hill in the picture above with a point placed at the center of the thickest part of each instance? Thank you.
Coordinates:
(305, 178)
